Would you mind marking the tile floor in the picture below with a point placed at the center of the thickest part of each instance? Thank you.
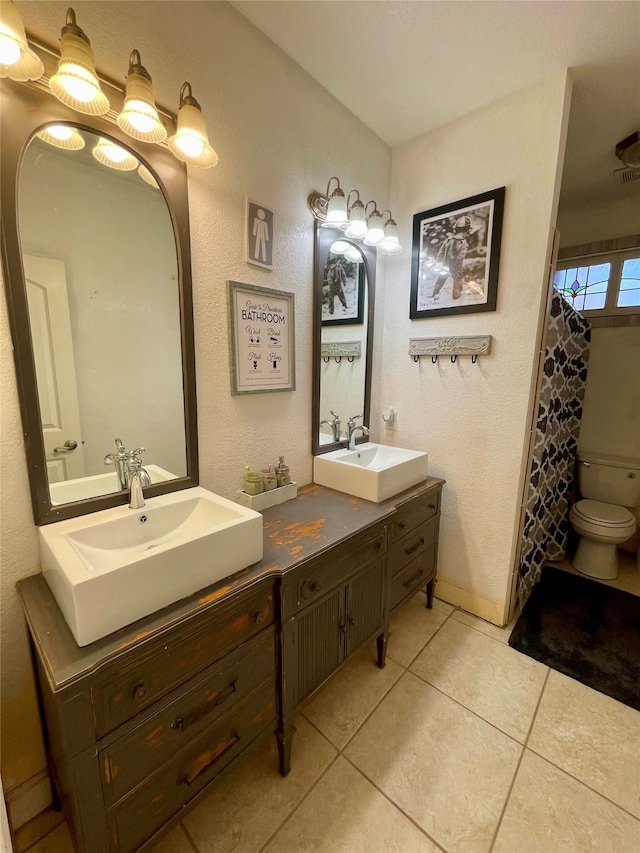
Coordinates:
(460, 744)
(628, 575)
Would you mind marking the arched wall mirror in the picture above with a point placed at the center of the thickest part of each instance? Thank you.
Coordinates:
(97, 269)
(344, 287)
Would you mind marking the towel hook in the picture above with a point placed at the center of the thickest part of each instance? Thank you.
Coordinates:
(474, 358)
(454, 358)
(434, 359)
(350, 359)
(326, 359)
(338, 359)
(416, 358)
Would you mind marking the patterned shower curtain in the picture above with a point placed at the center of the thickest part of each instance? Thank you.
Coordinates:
(546, 522)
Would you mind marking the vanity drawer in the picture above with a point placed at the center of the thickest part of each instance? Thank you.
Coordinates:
(415, 512)
(417, 573)
(136, 818)
(134, 686)
(411, 546)
(327, 571)
(137, 754)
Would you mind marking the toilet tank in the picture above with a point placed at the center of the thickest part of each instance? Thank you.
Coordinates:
(610, 479)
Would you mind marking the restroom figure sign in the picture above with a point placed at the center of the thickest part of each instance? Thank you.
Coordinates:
(259, 235)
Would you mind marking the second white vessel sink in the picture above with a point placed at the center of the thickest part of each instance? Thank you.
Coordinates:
(374, 472)
(112, 567)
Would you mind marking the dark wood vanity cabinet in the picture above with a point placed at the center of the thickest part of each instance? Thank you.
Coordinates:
(141, 722)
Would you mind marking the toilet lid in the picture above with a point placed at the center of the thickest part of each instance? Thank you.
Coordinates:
(609, 514)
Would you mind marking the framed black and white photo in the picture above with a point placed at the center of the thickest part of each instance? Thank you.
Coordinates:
(343, 292)
(262, 339)
(456, 255)
(259, 235)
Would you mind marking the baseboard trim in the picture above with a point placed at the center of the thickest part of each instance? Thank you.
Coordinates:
(491, 611)
(29, 799)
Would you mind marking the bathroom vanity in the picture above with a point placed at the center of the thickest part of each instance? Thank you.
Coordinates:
(140, 723)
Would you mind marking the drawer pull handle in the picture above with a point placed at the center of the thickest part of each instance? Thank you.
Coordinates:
(414, 548)
(314, 586)
(140, 692)
(187, 780)
(182, 723)
(402, 525)
(431, 506)
(412, 580)
(258, 617)
(378, 546)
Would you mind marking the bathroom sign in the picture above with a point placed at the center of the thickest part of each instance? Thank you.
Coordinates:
(261, 334)
(259, 235)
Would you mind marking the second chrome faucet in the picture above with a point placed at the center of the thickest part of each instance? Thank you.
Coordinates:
(353, 428)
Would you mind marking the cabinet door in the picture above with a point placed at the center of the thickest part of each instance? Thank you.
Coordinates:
(366, 604)
(318, 643)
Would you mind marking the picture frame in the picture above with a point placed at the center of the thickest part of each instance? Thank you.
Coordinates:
(343, 288)
(261, 339)
(259, 235)
(456, 257)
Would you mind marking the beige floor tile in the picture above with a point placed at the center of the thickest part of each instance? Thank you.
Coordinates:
(175, 842)
(549, 812)
(438, 604)
(253, 799)
(491, 679)
(442, 765)
(412, 627)
(57, 841)
(36, 829)
(345, 814)
(344, 704)
(485, 627)
(592, 737)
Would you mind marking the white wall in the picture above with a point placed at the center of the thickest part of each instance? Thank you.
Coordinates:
(612, 396)
(601, 221)
(115, 238)
(473, 418)
(278, 135)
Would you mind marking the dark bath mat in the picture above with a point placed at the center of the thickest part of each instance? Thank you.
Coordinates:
(584, 629)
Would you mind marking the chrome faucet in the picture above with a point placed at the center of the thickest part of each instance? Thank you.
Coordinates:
(353, 427)
(119, 459)
(137, 478)
(335, 424)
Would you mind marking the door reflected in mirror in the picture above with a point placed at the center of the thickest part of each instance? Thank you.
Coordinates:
(101, 272)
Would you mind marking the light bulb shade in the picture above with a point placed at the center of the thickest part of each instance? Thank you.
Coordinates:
(190, 143)
(352, 254)
(76, 83)
(146, 176)
(375, 230)
(337, 208)
(17, 60)
(62, 136)
(114, 156)
(139, 117)
(357, 221)
(340, 247)
(391, 243)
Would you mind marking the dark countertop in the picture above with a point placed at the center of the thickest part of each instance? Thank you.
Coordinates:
(294, 532)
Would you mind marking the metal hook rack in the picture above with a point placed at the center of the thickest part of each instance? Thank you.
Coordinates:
(472, 345)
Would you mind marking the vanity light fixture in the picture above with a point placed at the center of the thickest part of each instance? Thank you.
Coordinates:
(17, 60)
(390, 245)
(190, 143)
(139, 117)
(340, 247)
(115, 156)
(357, 226)
(62, 136)
(375, 229)
(76, 83)
(337, 206)
(352, 254)
(147, 177)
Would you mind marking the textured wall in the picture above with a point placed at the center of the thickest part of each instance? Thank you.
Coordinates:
(278, 135)
(473, 418)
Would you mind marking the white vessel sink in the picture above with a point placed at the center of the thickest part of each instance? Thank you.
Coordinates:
(374, 472)
(81, 488)
(112, 567)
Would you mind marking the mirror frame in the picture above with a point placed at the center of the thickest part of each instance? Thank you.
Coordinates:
(324, 239)
(25, 109)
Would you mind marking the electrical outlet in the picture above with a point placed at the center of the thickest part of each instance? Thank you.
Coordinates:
(390, 418)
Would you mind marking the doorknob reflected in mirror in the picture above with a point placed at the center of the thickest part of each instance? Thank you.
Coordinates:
(67, 447)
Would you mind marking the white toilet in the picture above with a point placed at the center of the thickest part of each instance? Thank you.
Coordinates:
(609, 486)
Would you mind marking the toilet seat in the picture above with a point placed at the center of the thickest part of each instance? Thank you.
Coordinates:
(602, 514)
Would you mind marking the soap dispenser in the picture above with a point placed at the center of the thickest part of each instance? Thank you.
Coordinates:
(282, 473)
(253, 482)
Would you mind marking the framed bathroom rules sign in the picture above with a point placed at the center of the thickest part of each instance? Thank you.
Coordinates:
(262, 339)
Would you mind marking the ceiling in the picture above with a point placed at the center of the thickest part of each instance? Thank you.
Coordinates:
(408, 66)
